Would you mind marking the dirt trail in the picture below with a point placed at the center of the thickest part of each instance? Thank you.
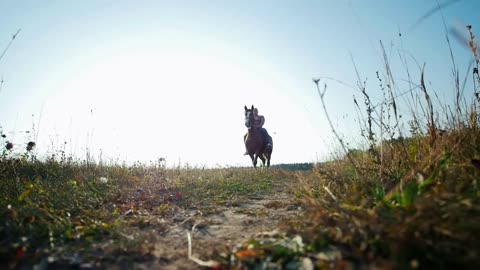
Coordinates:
(228, 225)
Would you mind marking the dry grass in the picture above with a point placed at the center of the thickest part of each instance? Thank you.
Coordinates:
(411, 200)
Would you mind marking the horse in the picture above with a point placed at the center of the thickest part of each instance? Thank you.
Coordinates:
(255, 142)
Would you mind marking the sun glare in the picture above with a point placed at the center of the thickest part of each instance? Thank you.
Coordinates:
(183, 105)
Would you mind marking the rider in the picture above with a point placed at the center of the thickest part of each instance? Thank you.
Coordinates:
(259, 121)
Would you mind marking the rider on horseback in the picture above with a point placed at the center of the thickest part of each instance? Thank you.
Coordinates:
(258, 123)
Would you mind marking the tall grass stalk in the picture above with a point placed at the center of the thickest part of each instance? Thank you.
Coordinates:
(322, 95)
(415, 202)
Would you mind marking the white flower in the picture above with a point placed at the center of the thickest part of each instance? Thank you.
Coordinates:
(103, 180)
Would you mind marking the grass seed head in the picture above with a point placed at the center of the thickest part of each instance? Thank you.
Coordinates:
(9, 145)
(30, 146)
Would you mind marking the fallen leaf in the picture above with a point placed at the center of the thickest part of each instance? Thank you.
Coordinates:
(242, 254)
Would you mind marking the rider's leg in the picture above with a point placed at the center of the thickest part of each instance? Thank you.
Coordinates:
(267, 137)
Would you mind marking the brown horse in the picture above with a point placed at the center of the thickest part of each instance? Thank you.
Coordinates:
(255, 142)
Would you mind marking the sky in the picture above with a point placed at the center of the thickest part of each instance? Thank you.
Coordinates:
(142, 80)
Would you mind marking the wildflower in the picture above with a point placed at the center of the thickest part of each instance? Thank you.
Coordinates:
(141, 194)
(103, 180)
(30, 146)
(9, 145)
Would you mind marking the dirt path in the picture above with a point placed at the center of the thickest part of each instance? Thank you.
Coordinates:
(227, 225)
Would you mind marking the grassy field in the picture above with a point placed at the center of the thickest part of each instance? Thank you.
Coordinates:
(70, 214)
(65, 214)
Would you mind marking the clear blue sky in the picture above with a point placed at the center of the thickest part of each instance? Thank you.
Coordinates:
(140, 80)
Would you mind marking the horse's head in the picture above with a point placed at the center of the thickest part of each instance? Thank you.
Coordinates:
(249, 117)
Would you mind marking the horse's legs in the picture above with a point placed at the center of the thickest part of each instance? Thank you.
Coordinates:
(263, 159)
(254, 160)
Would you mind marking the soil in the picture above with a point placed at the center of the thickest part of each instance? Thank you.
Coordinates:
(228, 225)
